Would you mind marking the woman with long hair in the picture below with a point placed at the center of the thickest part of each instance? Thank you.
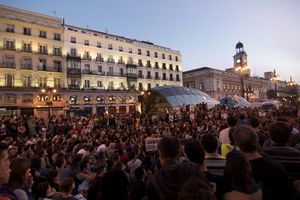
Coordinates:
(238, 171)
(20, 179)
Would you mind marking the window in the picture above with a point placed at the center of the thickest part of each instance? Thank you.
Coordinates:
(57, 82)
(27, 47)
(121, 48)
(122, 99)
(10, 98)
(87, 67)
(171, 67)
(73, 39)
(122, 87)
(155, 54)
(56, 36)
(86, 42)
(139, 52)
(130, 61)
(177, 77)
(57, 66)
(110, 59)
(73, 52)
(110, 71)
(121, 71)
(140, 63)
(10, 45)
(27, 63)
(156, 75)
(99, 67)
(26, 31)
(130, 50)
(86, 55)
(177, 68)
(56, 51)
(201, 86)
(42, 65)
(99, 57)
(170, 57)
(99, 44)
(121, 61)
(149, 86)
(111, 85)
(110, 46)
(163, 56)
(42, 81)
(148, 63)
(140, 75)
(43, 34)
(99, 84)
(164, 76)
(43, 49)
(141, 87)
(9, 80)
(156, 65)
(148, 74)
(27, 98)
(10, 28)
(164, 66)
(9, 62)
(176, 58)
(171, 77)
(86, 83)
(148, 53)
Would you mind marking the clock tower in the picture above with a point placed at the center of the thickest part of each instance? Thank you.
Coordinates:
(240, 57)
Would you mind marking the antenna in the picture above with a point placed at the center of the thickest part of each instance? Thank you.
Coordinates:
(87, 26)
(106, 30)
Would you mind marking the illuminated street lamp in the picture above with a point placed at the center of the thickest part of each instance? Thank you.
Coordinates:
(274, 79)
(293, 89)
(241, 69)
(49, 99)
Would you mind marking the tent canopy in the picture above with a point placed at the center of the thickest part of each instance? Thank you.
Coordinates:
(178, 96)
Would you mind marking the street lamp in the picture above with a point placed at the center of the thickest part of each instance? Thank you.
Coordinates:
(49, 99)
(292, 85)
(274, 79)
(241, 69)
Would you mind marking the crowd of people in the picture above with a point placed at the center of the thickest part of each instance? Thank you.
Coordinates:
(218, 153)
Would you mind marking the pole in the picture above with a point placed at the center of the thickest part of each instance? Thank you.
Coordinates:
(276, 90)
(242, 80)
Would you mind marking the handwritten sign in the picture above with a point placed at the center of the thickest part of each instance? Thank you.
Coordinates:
(151, 144)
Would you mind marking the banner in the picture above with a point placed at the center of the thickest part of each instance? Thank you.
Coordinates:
(151, 144)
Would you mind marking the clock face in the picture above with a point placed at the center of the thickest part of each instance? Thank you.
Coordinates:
(238, 60)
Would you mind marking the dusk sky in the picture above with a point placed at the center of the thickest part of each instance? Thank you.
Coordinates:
(204, 31)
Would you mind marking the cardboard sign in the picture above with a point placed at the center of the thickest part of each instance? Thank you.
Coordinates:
(151, 143)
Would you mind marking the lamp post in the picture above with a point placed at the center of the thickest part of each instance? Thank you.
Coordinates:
(274, 79)
(241, 69)
(49, 102)
(292, 85)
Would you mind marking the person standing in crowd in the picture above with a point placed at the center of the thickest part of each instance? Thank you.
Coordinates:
(5, 192)
(280, 134)
(238, 171)
(224, 134)
(255, 124)
(167, 181)
(214, 162)
(275, 184)
(20, 179)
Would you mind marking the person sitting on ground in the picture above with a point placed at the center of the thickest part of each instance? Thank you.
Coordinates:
(167, 181)
(214, 162)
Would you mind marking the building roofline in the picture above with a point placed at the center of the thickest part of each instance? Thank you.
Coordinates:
(30, 12)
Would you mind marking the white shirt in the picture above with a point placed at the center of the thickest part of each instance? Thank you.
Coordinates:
(224, 136)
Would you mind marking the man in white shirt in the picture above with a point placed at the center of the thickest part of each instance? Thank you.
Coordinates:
(224, 134)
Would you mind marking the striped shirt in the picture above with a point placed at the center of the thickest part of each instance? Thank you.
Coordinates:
(215, 165)
(288, 157)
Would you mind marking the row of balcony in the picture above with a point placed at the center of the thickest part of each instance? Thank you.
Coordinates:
(29, 50)
(12, 65)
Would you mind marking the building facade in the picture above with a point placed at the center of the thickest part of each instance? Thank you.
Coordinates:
(46, 65)
(219, 83)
